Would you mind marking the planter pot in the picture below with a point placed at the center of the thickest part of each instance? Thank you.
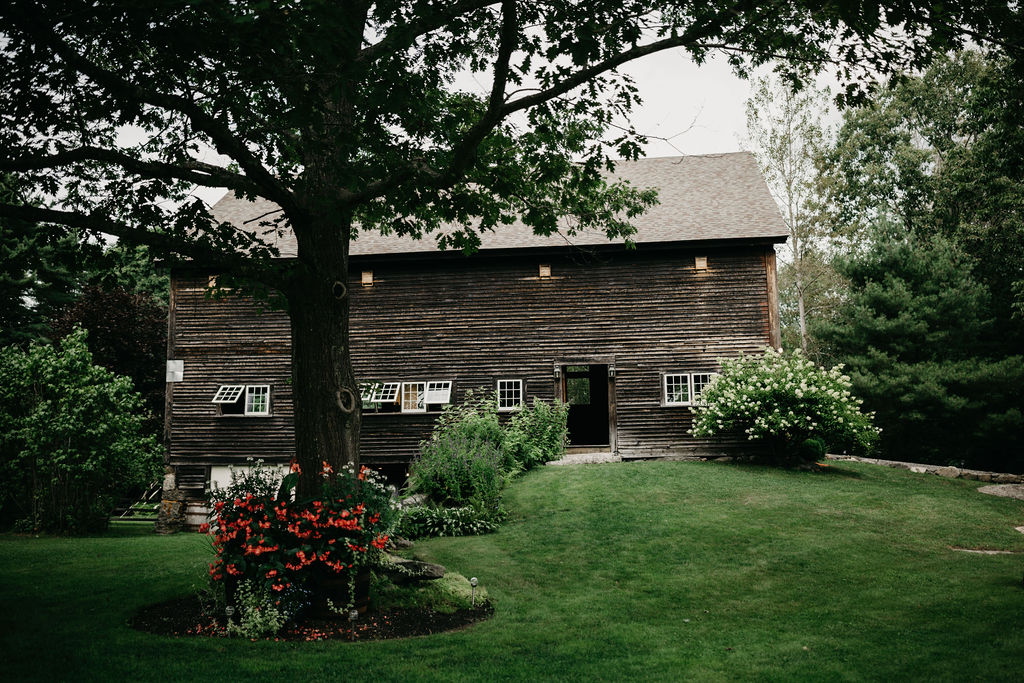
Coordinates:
(336, 589)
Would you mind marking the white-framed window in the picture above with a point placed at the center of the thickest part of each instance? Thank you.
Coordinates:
(684, 389)
(228, 393)
(385, 392)
(676, 389)
(257, 399)
(510, 394)
(438, 392)
(698, 381)
(412, 397)
(243, 399)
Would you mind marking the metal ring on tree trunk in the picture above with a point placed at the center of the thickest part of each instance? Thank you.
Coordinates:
(339, 290)
(345, 406)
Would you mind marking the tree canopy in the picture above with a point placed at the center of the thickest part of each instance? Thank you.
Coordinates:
(348, 117)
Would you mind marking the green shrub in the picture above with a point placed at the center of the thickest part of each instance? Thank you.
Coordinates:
(457, 470)
(263, 612)
(783, 401)
(71, 438)
(424, 522)
(537, 433)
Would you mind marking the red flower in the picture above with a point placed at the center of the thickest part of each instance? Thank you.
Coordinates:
(294, 466)
(204, 528)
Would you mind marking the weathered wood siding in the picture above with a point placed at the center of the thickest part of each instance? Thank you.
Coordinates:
(480, 319)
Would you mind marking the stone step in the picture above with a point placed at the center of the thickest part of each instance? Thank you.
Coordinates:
(586, 459)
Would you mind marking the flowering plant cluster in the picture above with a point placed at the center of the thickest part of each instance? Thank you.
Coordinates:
(784, 400)
(263, 536)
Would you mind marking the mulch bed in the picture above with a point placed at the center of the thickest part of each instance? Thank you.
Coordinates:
(185, 617)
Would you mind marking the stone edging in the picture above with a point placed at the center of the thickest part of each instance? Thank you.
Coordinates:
(947, 471)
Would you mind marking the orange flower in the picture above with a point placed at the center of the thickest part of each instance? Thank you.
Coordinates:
(295, 467)
(327, 469)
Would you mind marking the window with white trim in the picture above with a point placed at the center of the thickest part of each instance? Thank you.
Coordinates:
(676, 389)
(699, 380)
(385, 392)
(412, 397)
(439, 392)
(510, 394)
(243, 399)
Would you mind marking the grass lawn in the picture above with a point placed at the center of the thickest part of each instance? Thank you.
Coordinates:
(662, 571)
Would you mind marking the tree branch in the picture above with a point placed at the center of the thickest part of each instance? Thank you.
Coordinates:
(202, 253)
(462, 154)
(192, 171)
(222, 136)
(404, 36)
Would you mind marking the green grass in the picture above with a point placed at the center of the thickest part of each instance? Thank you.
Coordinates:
(664, 571)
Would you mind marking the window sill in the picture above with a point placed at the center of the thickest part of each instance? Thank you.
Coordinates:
(250, 417)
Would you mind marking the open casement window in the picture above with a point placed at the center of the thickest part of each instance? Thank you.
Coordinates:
(412, 397)
(243, 399)
(510, 394)
(438, 393)
(676, 390)
(381, 397)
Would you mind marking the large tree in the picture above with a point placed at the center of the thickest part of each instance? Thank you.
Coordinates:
(788, 133)
(942, 153)
(346, 116)
(914, 332)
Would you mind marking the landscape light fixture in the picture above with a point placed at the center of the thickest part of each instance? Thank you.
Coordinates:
(472, 599)
(352, 616)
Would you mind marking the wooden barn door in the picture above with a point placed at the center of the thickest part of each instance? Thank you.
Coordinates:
(585, 389)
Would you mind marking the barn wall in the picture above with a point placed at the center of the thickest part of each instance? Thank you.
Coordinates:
(476, 320)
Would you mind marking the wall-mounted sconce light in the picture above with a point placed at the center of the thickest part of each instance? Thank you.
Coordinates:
(367, 280)
(700, 262)
(545, 270)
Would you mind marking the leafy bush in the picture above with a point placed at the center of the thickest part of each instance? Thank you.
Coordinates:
(277, 544)
(784, 400)
(424, 522)
(463, 463)
(262, 612)
(71, 438)
(458, 470)
(537, 433)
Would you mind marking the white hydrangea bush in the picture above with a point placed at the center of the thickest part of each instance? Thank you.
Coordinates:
(782, 400)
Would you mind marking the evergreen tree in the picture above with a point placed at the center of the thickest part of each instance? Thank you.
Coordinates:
(915, 333)
(37, 273)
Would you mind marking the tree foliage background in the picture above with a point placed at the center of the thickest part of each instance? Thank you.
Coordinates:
(928, 178)
(71, 438)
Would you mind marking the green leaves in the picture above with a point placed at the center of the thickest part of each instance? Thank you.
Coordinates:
(70, 438)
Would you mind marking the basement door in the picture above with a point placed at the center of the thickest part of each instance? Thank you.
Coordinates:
(585, 389)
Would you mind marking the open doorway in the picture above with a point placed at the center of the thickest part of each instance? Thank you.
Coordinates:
(585, 389)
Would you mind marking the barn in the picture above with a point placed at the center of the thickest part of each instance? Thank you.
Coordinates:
(627, 334)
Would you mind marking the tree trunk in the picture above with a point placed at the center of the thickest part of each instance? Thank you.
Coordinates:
(326, 397)
(800, 308)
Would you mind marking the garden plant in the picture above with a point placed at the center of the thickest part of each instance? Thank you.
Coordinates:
(786, 402)
(71, 438)
(471, 456)
(277, 555)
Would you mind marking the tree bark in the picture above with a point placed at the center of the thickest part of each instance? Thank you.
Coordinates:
(326, 404)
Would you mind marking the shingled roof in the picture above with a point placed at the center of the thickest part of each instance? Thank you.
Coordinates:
(702, 198)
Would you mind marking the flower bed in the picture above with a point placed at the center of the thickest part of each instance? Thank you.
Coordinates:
(283, 551)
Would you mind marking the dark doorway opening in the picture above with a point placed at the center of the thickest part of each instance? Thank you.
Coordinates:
(585, 389)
